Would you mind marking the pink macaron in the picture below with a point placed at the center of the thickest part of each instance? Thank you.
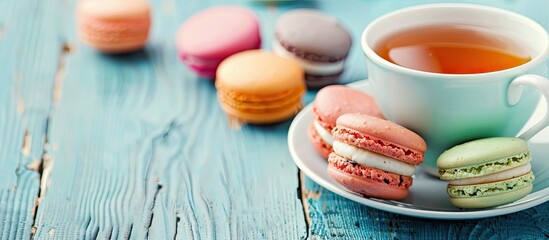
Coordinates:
(208, 37)
(330, 103)
(114, 26)
(374, 157)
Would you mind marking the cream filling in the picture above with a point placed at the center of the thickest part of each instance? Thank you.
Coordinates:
(323, 133)
(309, 66)
(494, 177)
(372, 159)
(485, 168)
(491, 189)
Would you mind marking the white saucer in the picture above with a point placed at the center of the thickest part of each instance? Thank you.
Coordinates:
(427, 198)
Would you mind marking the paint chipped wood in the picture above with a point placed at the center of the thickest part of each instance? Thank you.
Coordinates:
(134, 146)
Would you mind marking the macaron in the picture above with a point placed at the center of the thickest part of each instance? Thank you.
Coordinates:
(374, 157)
(120, 26)
(487, 172)
(317, 41)
(208, 37)
(259, 87)
(330, 103)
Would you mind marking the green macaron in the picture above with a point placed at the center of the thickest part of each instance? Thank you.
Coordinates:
(487, 172)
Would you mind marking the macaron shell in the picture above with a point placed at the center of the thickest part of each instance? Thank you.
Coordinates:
(384, 130)
(259, 73)
(345, 165)
(493, 200)
(260, 87)
(494, 177)
(320, 146)
(348, 101)
(481, 151)
(256, 104)
(259, 112)
(319, 81)
(311, 32)
(376, 145)
(204, 68)
(204, 71)
(373, 160)
(117, 43)
(492, 188)
(114, 10)
(218, 32)
(110, 28)
(115, 48)
(260, 118)
(210, 74)
(486, 168)
(367, 186)
(380, 136)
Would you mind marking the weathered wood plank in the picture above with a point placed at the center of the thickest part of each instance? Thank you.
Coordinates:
(334, 217)
(142, 150)
(137, 147)
(30, 49)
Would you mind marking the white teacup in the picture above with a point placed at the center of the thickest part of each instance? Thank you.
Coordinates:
(449, 109)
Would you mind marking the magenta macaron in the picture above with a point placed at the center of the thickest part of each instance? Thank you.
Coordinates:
(330, 103)
(374, 157)
(208, 37)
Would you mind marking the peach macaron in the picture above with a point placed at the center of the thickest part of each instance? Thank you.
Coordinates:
(259, 87)
(330, 103)
(120, 26)
(374, 157)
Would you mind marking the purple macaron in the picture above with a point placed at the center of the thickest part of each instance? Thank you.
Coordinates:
(317, 41)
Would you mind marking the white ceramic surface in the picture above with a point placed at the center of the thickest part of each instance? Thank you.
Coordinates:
(427, 198)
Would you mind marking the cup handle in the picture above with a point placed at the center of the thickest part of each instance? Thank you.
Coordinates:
(514, 93)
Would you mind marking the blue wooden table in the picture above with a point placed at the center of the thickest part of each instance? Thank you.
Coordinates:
(136, 146)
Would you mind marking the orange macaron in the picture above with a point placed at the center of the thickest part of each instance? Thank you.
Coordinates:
(114, 26)
(260, 87)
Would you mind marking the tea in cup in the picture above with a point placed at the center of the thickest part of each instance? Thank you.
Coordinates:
(457, 72)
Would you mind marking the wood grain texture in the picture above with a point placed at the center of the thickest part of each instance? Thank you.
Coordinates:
(334, 217)
(135, 146)
(144, 151)
(29, 53)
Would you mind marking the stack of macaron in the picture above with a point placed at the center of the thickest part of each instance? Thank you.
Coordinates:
(259, 87)
(487, 172)
(120, 26)
(317, 41)
(330, 103)
(374, 157)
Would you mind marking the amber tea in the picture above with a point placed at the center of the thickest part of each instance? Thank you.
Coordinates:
(452, 49)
